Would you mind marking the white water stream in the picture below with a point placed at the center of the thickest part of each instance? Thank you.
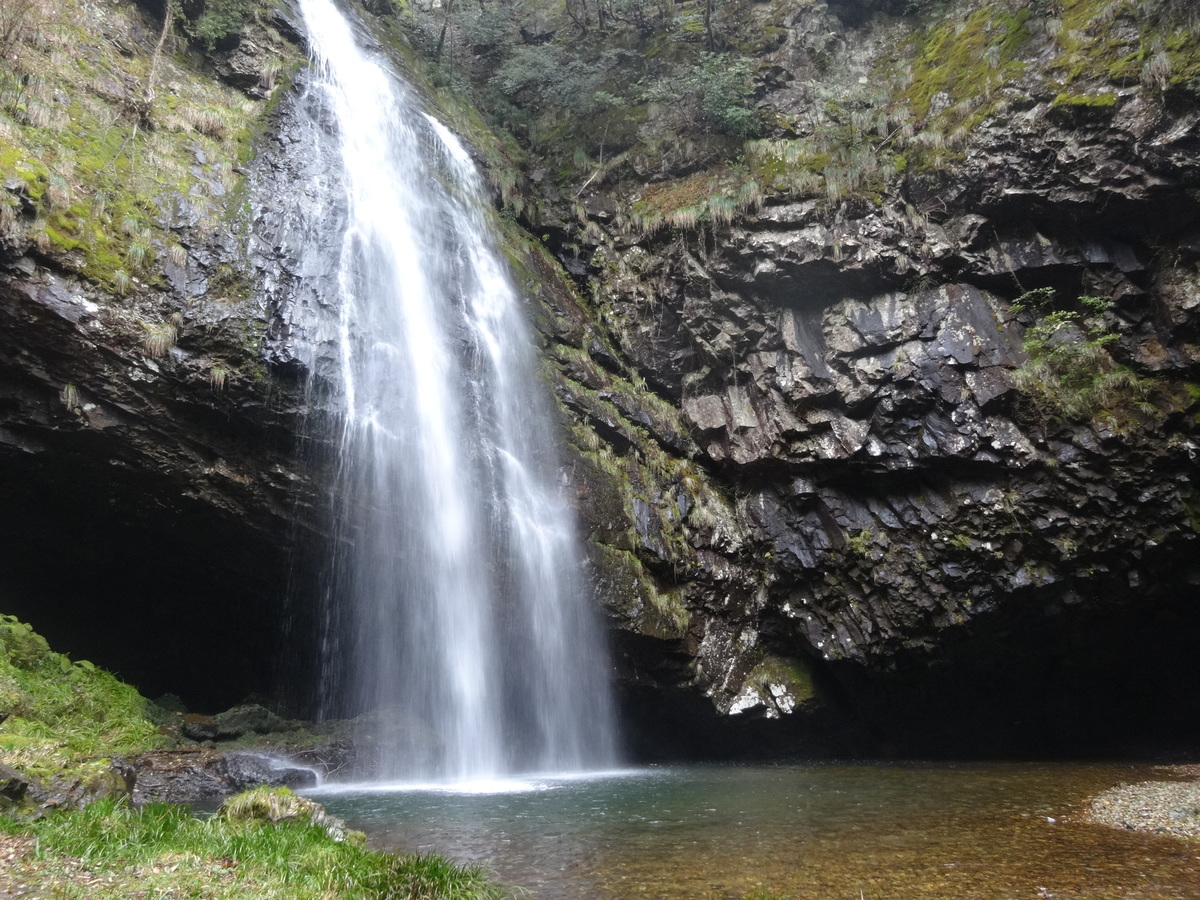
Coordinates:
(456, 607)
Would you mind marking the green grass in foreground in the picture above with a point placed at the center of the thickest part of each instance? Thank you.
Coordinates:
(112, 850)
(66, 718)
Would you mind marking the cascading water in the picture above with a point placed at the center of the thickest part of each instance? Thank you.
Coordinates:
(455, 604)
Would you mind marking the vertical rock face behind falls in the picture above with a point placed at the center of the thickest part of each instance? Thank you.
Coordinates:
(153, 509)
(825, 448)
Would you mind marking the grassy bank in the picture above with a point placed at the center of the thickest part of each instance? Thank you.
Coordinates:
(112, 850)
(70, 831)
(63, 719)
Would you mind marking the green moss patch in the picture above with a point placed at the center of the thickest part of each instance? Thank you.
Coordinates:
(1127, 42)
(1105, 100)
(63, 714)
(792, 676)
(651, 609)
(964, 61)
(107, 152)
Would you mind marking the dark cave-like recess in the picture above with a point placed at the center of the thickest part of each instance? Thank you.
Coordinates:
(113, 566)
(1113, 680)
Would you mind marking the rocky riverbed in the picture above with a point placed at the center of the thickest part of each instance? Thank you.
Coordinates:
(1158, 807)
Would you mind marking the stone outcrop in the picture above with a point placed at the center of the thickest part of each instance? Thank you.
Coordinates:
(188, 776)
(22, 795)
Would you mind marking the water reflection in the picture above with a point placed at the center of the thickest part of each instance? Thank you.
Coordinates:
(888, 832)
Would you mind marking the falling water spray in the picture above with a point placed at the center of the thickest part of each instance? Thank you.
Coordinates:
(457, 617)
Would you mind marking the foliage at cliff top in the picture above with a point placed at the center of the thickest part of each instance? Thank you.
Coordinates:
(58, 713)
(581, 82)
(627, 93)
(115, 147)
(110, 850)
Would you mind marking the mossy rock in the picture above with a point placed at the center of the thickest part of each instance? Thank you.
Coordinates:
(266, 804)
(776, 686)
(626, 586)
(1079, 109)
(250, 718)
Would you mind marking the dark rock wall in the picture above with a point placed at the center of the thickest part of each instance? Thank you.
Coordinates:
(149, 518)
(154, 512)
(854, 481)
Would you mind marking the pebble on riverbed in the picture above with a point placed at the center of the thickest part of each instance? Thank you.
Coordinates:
(1159, 807)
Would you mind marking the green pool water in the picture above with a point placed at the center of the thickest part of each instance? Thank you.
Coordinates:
(861, 832)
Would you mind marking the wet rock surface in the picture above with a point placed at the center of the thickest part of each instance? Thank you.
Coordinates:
(296, 241)
(814, 443)
(187, 776)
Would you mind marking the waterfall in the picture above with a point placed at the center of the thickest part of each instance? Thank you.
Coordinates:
(456, 613)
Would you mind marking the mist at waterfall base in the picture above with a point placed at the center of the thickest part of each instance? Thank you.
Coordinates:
(455, 616)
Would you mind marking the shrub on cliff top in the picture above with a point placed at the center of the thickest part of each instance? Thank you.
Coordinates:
(714, 93)
(218, 21)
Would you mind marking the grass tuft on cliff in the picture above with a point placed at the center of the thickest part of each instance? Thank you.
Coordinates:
(111, 850)
(1070, 372)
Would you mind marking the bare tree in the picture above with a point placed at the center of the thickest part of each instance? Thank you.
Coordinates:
(18, 23)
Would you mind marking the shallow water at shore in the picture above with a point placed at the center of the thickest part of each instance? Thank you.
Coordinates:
(882, 832)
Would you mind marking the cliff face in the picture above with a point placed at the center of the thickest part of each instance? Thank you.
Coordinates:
(154, 503)
(887, 416)
(919, 418)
